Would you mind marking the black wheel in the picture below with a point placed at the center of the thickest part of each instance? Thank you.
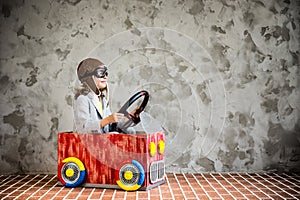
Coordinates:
(132, 118)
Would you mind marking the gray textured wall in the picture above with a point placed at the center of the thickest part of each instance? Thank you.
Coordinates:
(223, 77)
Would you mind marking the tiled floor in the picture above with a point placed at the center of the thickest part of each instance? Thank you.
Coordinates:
(178, 186)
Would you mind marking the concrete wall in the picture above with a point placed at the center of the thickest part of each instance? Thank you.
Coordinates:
(223, 77)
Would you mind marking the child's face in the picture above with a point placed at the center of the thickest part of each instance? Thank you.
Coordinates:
(101, 82)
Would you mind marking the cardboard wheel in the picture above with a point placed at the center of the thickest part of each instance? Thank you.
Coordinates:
(130, 176)
(71, 172)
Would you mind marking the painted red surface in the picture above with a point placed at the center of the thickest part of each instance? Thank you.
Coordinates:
(102, 154)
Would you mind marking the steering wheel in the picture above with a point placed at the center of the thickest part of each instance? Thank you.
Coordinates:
(133, 118)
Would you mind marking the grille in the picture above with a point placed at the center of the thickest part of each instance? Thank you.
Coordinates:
(161, 170)
(157, 171)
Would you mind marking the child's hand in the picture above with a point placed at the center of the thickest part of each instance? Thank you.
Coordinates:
(113, 118)
(116, 117)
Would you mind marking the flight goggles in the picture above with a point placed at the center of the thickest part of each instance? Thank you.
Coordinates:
(99, 72)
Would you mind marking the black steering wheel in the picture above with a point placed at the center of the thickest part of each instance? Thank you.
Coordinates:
(133, 118)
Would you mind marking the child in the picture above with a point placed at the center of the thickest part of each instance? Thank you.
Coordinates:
(91, 108)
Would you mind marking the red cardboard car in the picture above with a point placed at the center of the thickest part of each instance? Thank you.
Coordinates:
(113, 160)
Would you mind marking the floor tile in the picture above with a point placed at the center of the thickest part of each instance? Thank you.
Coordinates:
(178, 186)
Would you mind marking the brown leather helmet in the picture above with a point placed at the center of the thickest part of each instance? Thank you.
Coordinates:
(86, 69)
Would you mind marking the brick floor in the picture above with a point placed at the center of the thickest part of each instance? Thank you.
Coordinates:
(178, 186)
